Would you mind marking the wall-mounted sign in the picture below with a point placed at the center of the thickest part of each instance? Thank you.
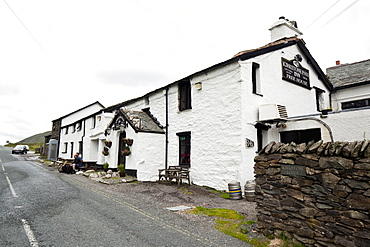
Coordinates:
(249, 143)
(293, 170)
(294, 72)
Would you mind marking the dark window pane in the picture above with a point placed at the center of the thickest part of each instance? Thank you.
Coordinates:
(300, 136)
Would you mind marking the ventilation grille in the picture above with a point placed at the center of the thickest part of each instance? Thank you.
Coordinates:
(282, 111)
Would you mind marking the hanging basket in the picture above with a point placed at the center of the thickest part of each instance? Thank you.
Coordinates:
(128, 141)
(108, 143)
(105, 153)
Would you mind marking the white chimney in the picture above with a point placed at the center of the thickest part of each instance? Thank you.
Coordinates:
(284, 28)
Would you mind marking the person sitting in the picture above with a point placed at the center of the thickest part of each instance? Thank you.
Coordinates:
(77, 162)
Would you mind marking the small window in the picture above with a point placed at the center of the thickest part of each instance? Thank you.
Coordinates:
(184, 96)
(93, 122)
(320, 101)
(65, 147)
(71, 150)
(300, 136)
(184, 149)
(80, 147)
(73, 128)
(66, 130)
(256, 84)
(146, 99)
(356, 104)
(79, 126)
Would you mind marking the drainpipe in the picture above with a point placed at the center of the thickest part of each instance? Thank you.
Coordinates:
(82, 138)
(166, 148)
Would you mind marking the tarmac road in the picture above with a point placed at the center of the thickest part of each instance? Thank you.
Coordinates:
(71, 210)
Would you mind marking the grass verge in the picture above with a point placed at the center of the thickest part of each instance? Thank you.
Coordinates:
(232, 223)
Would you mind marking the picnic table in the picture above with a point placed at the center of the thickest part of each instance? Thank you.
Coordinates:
(177, 173)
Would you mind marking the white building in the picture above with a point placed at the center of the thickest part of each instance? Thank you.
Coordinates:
(215, 120)
(72, 130)
(350, 116)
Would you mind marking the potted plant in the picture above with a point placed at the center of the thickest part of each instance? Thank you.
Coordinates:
(105, 152)
(128, 141)
(105, 166)
(121, 170)
(108, 143)
(126, 151)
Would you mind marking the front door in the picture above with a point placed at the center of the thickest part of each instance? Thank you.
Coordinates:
(121, 147)
(184, 148)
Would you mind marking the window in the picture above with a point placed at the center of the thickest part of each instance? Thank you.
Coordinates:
(71, 149)
(73, 128)
(66, 130)
(184, 149)
(93, 122)
(300, 136)
(78, 126)
(356, 104)
(256, 84)
(184, 95)
(319, 99)
(146, 99)
(65, 147)
(80, 146)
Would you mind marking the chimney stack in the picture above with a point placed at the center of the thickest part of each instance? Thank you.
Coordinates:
(337, 62)
(284, 28)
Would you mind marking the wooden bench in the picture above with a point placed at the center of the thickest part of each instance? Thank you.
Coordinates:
(177, 173)
(87, 165)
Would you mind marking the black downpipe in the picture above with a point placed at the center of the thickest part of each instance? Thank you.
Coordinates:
(82, 138)
(166, 148)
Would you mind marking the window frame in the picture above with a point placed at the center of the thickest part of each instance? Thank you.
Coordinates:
(184, 90)
(187, 148)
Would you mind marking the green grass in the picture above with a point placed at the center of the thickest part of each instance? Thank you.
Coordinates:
(221, 193)
(232, 223)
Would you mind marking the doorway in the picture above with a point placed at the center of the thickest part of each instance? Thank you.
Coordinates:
(121, 147)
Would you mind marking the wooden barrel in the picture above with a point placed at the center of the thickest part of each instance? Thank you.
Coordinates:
(235, 191)
(249, 189)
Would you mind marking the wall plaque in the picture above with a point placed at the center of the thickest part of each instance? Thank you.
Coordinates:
(294, 72)
(249, 143)
(293, 170)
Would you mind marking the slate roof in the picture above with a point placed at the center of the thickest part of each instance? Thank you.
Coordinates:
(142, 121)
(245, 55)
(349, 75)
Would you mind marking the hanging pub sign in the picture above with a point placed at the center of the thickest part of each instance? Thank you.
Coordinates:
(295, 73)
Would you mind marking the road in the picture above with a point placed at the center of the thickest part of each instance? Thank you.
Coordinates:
(43, 208)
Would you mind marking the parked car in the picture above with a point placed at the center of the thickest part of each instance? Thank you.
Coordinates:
(20, 149)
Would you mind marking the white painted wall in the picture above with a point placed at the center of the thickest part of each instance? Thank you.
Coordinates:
(80, 114)
(349, 94)
(350, 125)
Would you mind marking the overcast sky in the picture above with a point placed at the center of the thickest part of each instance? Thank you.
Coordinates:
(59, 56)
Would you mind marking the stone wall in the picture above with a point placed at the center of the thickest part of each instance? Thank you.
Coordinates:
(317, 194)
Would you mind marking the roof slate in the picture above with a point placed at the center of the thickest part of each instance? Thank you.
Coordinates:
(349, 75)
(142, 121)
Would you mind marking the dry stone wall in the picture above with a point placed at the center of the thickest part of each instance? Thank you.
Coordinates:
(317, 194)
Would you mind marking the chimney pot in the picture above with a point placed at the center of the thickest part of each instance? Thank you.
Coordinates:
(337, 62)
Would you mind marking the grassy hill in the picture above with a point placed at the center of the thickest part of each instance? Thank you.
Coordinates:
(33, 142)
(35, 139)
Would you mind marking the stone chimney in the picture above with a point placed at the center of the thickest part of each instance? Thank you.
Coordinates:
(284, 28)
